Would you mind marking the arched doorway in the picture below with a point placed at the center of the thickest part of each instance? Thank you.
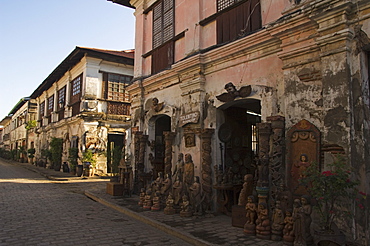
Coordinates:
(162, 124)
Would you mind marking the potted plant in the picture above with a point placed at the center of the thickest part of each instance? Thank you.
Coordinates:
(116, 159)
(73, 159)
(56, 149)
(88, 158)
(31, 154)
(333, 190)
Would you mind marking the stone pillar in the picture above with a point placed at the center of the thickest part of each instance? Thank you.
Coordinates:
(206, 171)
(168, 139)
(140, 142)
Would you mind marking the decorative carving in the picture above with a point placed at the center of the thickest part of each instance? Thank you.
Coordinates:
(233, 93)
(168, 139)
(206, 137)
(264, 130)
(189, 139)
(303, 149)
(276, 167)
(156, 105)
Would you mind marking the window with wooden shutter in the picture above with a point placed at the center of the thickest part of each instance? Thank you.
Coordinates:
(163, 34)
(75, 96)
(237, 18)
(163, 22)
(61, 102)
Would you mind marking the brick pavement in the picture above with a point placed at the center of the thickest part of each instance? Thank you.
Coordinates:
(37, 211)
(203, 230)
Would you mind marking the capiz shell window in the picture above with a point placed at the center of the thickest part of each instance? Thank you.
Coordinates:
(116, 87)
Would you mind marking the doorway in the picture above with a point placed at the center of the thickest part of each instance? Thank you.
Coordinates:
(162, 124)
(115, 144)
(238, 136)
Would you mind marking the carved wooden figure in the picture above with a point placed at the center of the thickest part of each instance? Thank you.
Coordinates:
(247, 190)
(169, 209)
(288, 234)
(277, 222)
(263, 227)
(186, 210)
(251, 211)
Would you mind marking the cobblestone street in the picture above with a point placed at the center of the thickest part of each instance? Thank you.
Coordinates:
(37, 211)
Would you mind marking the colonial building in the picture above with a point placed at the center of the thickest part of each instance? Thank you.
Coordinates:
(251, 87)
(15, 136)
(84, 101)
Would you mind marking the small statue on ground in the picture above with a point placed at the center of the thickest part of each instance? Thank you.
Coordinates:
(179, 167)
(148, 200)
(247, 190)
(288, 234)
(251, 210)
(195, 196)
(277, 222)
(169, 209)
(185, 207)
(298, 226)
(157, 184)
(142, 197)
(166, 186)
(156, 201)
(263, 222)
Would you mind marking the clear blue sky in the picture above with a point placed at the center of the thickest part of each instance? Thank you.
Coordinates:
(36, 35)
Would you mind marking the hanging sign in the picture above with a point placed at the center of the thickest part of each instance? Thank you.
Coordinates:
(192, 117)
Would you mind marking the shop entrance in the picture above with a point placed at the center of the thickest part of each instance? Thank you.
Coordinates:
(238, 144)
(162, 124)
(114, 151)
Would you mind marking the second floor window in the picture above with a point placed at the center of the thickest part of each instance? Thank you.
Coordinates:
(61, 97)
(115, 87)
(50, 105)
(237, 18)
(76, 88)
(163, 22)
(42, 109)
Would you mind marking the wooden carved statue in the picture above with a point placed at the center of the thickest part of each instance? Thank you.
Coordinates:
(247, 190)
(277, 222)
(156, 201)
(186, 210)
(142, 197)
(166, 186)
(188, 171)
(179, 167)
(263, 222)
(177, 191)
(195, 196)
(288, 234)
(251, 212)
(169, 209)
(233, 93)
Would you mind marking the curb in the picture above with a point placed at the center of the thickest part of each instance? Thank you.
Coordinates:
(165, 228)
